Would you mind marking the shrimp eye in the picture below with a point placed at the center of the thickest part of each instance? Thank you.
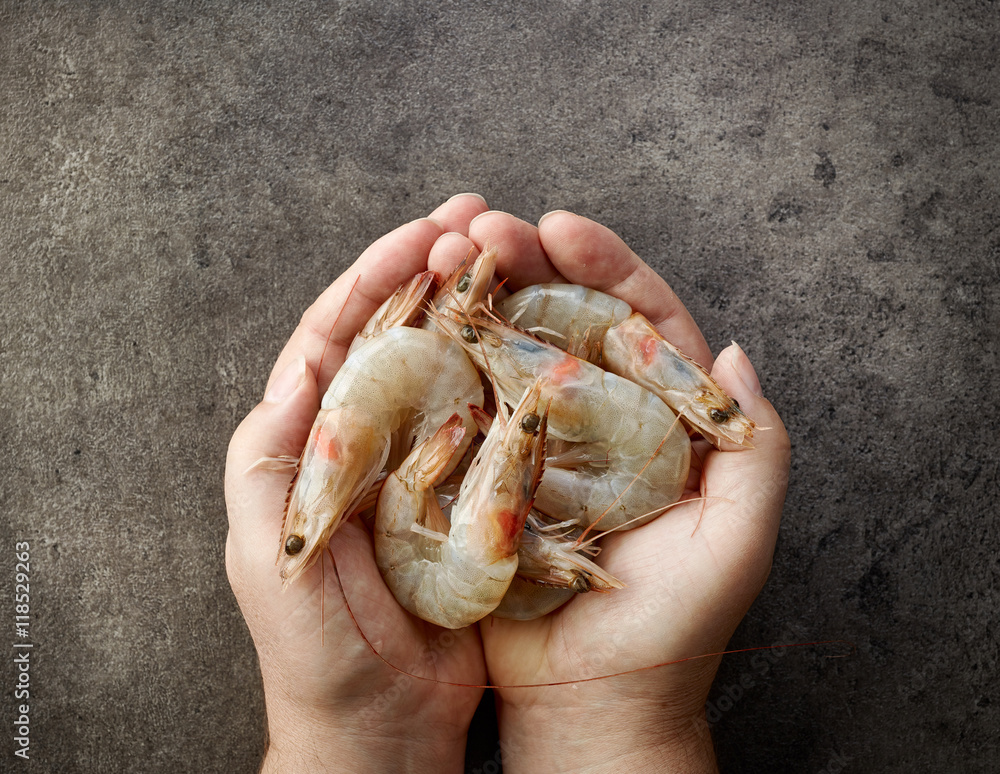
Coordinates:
(463, 284)
(736, 403)
(294, 544)
(529, 423)
(469, 334)
(718, 416)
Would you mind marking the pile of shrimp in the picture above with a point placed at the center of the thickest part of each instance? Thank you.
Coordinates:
(584, 419)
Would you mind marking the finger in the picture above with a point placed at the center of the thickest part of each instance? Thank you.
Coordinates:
(328, 326)
(459, 211)
(277, 427)
(449, 251)
(747, 488)
(587, 253)
(520, 257)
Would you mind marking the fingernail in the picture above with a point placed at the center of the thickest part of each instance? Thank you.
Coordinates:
(744, 370)
(432, 220)
(552, 212)
(483, 214)
(287, 382)
(469, 193)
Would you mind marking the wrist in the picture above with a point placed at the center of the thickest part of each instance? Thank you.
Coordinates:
(301, 742)
(608, 736)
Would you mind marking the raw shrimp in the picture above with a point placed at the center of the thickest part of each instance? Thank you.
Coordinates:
(604, 330)
(402, 377)
(644, 454)
(453, 575)
(552, 565)
(552, 569)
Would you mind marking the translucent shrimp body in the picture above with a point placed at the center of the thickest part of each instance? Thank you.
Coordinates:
(454, 575)
(644, 453)
(604, 330)
(401, 377)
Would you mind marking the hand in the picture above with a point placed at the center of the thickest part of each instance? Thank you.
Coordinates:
(332, 705)
(691, 574)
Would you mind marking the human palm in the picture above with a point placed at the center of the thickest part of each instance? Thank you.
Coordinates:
(320, 675)
(692, 573)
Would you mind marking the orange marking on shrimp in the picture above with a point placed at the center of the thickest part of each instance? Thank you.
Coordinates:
(567, 369)
(511, 525)
(325, 445)
(649, 349)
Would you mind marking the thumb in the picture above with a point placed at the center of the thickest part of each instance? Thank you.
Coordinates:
(753, 480)
(278, 427)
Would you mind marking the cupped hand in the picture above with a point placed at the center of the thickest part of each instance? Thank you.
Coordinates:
(691, 574)
(332, 704)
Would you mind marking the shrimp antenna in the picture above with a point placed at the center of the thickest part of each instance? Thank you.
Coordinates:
(322, 597)
(581, 543)
(595, 678)
(501, 404)
(329, 338)
(502, 283)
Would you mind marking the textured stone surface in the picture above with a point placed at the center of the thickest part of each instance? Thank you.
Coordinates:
(818, 181)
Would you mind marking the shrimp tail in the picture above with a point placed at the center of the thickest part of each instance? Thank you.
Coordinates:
(405, 308)
(547, 558)
(433, 463)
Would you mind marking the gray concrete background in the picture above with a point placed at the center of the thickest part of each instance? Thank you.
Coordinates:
(818, 181)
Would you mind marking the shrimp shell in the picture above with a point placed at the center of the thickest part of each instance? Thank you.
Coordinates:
(604, 330)
(403, 309)
(645, 452)
(454, 575)
(403, 376)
